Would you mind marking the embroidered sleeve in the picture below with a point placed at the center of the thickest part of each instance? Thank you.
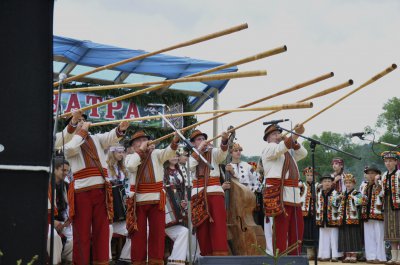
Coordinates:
(72, 147)
(300, 153)
(65, 136)
(108, 138)
(219, 154)
(132, 162)
(165, 154)
(272, 151)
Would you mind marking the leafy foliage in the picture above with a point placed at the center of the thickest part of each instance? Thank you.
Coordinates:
(390, 118)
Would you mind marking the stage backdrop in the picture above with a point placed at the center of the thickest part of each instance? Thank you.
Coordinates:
(26, 125)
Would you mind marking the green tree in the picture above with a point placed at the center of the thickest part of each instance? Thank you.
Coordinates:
(390, 118)
(324, 156)
(390, 121)
(250, 158)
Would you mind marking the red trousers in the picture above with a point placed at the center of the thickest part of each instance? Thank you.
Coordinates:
(156, 244)
(285, 229)
(212, 236)
(90, 225)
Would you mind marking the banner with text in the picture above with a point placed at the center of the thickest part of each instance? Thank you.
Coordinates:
(125, 109)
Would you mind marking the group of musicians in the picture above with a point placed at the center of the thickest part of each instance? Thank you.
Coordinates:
(153, 184)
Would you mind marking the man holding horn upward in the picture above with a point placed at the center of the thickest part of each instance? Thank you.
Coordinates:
(209, 214)
(90, 193)
(146, 202)
(282, 194)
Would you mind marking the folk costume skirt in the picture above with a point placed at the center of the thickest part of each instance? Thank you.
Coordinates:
(392, 222)
(350, 238)
(311, 232)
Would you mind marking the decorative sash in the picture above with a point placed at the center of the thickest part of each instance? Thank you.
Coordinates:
(273, 195)
(145, 168)
(93, 162)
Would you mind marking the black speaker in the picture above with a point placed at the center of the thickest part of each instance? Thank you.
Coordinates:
(251, 260)
(26, 49)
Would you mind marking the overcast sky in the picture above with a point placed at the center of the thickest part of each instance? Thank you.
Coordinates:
(353, 38)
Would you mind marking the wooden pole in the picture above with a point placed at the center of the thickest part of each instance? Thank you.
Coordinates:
(368, 82)
(251, 58)
(205, 78)
(276, 107)
(170, 48)
(217, 68)
(142, 91)
(316, 95)
(285, 91)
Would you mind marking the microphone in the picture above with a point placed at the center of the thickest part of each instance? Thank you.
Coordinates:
(357, 134)
(274, 121)
(62, 77)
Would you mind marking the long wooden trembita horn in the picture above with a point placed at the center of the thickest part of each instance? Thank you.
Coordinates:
(204, 78)
(276, 107)
(316, 95)
(217, 68)
(149, 89)
(170, 48)
(368, 82)
(281, 92)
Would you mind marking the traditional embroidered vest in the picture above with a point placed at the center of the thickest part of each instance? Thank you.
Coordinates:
(146, 182)
(306, 198)
(391, 187)
(202, 169)
(372, 207)
(349, 208)
(290, 166)
(327, 212)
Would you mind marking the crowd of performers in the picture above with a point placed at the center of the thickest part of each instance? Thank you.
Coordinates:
(351, 220)
(106, 189)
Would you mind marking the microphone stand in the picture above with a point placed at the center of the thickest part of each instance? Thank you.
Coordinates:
(313, 145)
(52, 177)
(189, 192)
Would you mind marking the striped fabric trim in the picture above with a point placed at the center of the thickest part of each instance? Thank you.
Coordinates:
(290, 165)
(212, 181)
(89, 146)
(147, 187)
(89, 172)
(202, 169)
(286, 182)
(152, 188)
(148, 175)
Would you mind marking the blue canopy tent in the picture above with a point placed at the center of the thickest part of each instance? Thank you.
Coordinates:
(73, 57)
